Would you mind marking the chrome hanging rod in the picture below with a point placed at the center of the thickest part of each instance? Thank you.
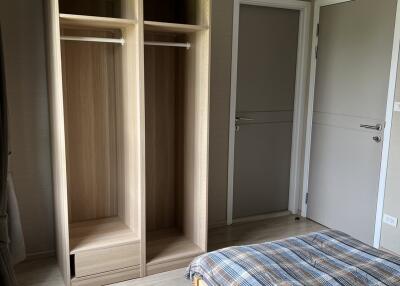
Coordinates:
(169, 44)
(93, 39)
(122, 41)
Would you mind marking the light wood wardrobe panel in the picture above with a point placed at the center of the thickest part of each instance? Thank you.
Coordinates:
(90, 120)
(54, 79)
(195, 140)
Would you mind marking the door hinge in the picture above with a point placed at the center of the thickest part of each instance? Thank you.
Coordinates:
(316, 47)
(307, 196)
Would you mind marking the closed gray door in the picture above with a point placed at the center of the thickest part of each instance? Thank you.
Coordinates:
(267, 56)
(352, 76)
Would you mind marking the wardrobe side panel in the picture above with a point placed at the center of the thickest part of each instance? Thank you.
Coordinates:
(54, 75)
(129, 129)
(196, 152)
(137, 13)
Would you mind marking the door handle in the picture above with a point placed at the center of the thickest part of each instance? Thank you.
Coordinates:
(377, 127)
(243, 119)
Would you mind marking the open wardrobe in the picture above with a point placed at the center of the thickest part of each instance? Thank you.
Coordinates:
(129, 104)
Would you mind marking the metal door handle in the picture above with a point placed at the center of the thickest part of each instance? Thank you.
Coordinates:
(244, 119)
(377, 127)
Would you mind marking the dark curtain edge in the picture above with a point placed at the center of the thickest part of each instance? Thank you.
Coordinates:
(6, 269)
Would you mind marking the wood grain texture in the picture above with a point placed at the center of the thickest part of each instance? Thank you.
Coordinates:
(90, 93)
(260, 231)
(196, 132)
(134, 9)
(70, 20)
(55, 90)
(161, 135)
(165, 246)
(130, 124)
(102, 260)
(108, 277)
(96, 234)
(172, 27)
(177, 263)
(131, 154)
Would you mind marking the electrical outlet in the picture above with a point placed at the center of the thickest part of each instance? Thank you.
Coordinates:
(390, 220)
(397, 106)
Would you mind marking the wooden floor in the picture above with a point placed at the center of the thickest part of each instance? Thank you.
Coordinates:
(44, 271)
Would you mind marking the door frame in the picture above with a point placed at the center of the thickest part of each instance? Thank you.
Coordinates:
(299, 103)
(388, 117)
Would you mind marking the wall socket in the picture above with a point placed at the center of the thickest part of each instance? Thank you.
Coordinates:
(390, 220)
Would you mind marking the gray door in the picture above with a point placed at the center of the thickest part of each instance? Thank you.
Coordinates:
(267, 57)
(352, 76)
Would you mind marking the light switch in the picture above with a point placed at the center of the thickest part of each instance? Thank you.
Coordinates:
(397, 106)
(390, 220)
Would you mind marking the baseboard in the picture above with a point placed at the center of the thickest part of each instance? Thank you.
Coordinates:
(261, 217)
(217, 224)
(40, 255)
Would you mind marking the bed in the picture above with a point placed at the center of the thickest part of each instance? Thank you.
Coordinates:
(327, 257)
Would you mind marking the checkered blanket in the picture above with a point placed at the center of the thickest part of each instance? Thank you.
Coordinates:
(322, 258)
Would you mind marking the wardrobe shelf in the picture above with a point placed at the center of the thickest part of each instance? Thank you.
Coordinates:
(94, 21)
(100, 233)
(172, 27)
(169, 245)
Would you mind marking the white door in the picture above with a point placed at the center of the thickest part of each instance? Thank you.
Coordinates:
(352, 75)
(266, 82)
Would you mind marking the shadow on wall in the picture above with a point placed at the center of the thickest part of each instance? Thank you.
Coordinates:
(30, 163)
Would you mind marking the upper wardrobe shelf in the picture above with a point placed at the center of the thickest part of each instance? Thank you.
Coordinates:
(95, 22)
(172, 27)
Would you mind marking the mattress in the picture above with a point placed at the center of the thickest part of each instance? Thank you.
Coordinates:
(327, 257)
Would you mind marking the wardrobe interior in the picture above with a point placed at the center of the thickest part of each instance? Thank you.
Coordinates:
(175, 84)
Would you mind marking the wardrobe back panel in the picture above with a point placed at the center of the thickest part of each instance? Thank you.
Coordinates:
(101, 8)
(90, 89)
(177, 11)
(162, 135)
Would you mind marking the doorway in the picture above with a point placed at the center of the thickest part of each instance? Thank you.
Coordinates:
(267, 106)
(351, 98)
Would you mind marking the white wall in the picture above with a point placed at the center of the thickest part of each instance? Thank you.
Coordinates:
(390, 237)
(23, 36)
(221, 57)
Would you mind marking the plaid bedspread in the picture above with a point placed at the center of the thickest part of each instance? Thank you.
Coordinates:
(322, 258)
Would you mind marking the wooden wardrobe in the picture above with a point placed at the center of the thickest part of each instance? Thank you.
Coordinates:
(129, 101)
